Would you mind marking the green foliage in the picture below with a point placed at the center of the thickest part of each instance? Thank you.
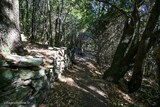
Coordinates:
(5, 50)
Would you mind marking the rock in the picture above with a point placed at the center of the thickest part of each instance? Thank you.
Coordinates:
(6, 77)
(22, 92)
(26, 74)
(22, 61)
(3, 63)
(23, 38)
(22, 82)
(61, 61)
(27, 86)
(23, 87)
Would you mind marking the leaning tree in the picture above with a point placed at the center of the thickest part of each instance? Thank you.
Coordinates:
(134, 45)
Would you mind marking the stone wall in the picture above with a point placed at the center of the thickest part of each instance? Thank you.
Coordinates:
(26, 80)
(23, 86)
(57, 58)
(61, 60)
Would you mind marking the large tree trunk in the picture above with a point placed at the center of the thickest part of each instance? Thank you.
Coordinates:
(10, 40)
(118, 69)
(114, 74)
(136, 79)
(136, 53)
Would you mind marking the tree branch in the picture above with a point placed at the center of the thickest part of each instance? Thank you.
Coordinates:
(114, 6)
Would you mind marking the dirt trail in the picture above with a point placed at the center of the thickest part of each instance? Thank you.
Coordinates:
(81, 86)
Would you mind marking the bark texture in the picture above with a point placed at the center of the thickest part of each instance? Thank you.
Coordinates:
(10, 40)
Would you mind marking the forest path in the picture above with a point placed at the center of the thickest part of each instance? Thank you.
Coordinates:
(81, 86)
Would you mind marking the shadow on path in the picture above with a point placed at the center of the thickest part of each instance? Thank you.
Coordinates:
(85, 81)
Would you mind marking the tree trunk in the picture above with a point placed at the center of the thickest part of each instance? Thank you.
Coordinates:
(10, 40)
(33, 37)
(158, 64)
(27, 28)
(136, 79)
(58, 24)
(50, 23)
(117, 71)
(121, 62)
(122, 67)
